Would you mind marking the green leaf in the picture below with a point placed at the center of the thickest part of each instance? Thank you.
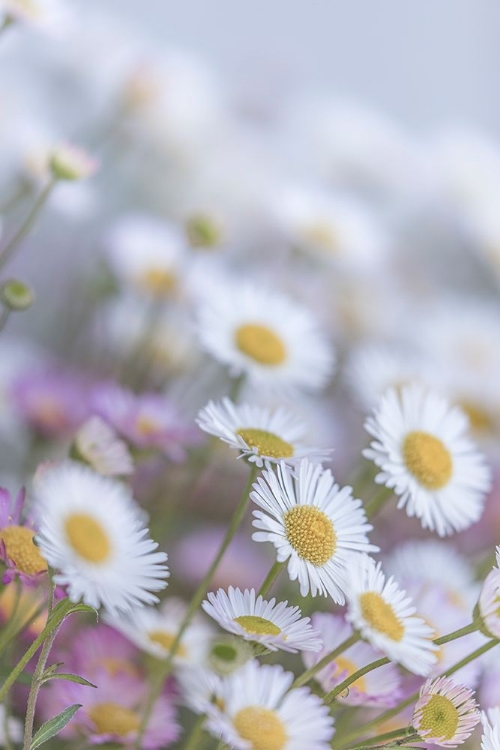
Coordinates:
(84, 608)
(69, 677)
(54, 726)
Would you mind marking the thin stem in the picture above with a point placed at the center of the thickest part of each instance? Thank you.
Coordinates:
(373, 506)
(395, 734)
(194, 604)
(329, 697)
(268, 581)
(6, 23)
(193, 739)
(8, 251)
(36, 684)
(325, 661)
(4, 316)
(456, 634)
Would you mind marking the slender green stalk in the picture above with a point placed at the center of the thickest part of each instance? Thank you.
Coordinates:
(198, 596)
(373, 506)
(4, 316)
(192, 741)
(270, 578)
(395, 734)
(325, 661)
(456, 634)
(6, 23)
(329, 697)
(7, 252)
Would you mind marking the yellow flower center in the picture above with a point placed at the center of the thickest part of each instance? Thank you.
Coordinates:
(257, 625)
(111, 718)
(322, 235)
(479, 419)
(346, 667)
(438, 718)
(266, 443)
(146, 426)
(261, 727)
(116, 667)
(311, 533)
(380, 616)
(428, 459)
(158, 281)
(87, 537)
(21, 549)
(165, 641)
(261, 344)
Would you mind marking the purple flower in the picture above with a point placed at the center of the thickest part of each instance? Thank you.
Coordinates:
(17, 549)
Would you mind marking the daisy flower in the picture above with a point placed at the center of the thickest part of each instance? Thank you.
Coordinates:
(275, 626)
(382, 687)
(446, 713)
(259, 712)
(488, 605)
(17, 549)
(154, 630)
(200, 688)
(313, 524)
(385, 617)
(423, 453)
(264, 335)
(491, 729)
(69, 162)
(257, 432)
(98, 445)
(91, 531)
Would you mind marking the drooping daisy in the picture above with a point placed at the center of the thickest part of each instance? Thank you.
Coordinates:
(275, 626)
(313, 524)
(99, 446)
(18, 552)
(258, 712)
(491, 729)
(385, 617)
(446, 713)
(91, 532)
(382, 687)
(274, 341)
(488, 605)
(259, 433)
(154, 630)
(424, 455)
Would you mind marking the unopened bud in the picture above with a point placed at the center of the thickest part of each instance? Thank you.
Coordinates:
(16, 295)
(203, 231)
(69, 162)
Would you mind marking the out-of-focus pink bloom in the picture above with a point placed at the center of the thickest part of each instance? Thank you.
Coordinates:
(17, 549)
(147, 420)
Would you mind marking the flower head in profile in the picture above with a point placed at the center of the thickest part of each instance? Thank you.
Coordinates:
(92, 533)
(276, 626)
(491, 729)
(445, 713)
(18, 551)
(312, 523)
(69, 162)
(256, 710)
(265, 336)
(385, 617)
(424, 454)
(99, 446)
(488, 606)
(258, 433)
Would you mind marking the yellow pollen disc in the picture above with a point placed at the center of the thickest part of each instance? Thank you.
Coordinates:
(21, 549)
(479, 419)
(165, 641)
(428, 459)
(323, 236)
(110, 718)
(87, 537)
(257, 625)
(261, 727)
(261, 344)
(158, 282)
(266, 443)
(346, 667)
(311, 533)
(380, 616)
(439, 718)
(115, 667)
(146, 426)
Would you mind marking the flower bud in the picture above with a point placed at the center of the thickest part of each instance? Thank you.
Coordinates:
(69, 162)
(16, 295)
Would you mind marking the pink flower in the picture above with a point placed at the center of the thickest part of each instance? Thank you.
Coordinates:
(17, 549)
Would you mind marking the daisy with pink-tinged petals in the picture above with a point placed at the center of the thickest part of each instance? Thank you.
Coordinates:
(316, 526)
(488, 606)
(385, 617)
(491, 729)
(446, 713)
(18, 552)
(97, 444)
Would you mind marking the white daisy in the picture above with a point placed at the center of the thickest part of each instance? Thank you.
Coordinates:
(446, 713)
(421, 447)
(385, 616)
(491, 729)
(381, 687)
(275, 626)
(91, 532)
(313, 524)
(488, 605)
(98, 445)
(258, 712)
(200, 687)
(259, 433)
(155, 629)
(70, 162)
(266, 336)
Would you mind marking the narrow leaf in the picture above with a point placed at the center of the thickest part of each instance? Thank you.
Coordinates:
(54, 726)
(69, 677)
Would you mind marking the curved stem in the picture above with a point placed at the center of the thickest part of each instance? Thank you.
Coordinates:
(325, 661)
(192, 741)
(36, 684)
(270, 578)
(456, 634)
(373, 506)
(329, 697)
(194, 604)
(8, 251)
(395, 734)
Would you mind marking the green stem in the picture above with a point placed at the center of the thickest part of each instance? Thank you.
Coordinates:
(268, 581)
(395, 734)
(4, 316)
(325, 661)
(236, 387)
(329, 697)
(6, 23)
(51, 625)
(8, 251)
(373, 506)
(194, 604)
(456, 634)
(192, 741)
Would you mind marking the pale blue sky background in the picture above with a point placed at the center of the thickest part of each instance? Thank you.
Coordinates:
(425, 61)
